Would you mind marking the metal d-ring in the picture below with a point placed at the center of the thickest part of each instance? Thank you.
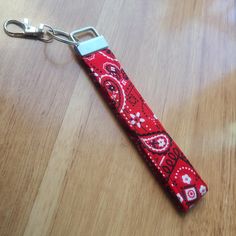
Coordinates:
(82, 31)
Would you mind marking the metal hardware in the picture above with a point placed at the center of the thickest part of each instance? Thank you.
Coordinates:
(28, 31)
(44, 32)
(62, 36)
(83, 30)
(86, 47)
(47, 33)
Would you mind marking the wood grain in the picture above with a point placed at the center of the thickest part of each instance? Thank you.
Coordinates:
(67, 168)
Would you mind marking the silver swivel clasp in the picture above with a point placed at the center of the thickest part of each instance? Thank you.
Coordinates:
(26, 30)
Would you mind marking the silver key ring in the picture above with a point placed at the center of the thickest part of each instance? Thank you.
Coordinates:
(62, 36)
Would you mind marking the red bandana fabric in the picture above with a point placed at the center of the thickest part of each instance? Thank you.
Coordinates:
(162, 154)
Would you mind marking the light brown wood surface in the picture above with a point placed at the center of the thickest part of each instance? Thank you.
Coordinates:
(66, 166)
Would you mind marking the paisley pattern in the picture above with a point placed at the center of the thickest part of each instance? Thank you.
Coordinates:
(164, 157)
(112, 69)
(159, 143)
(114, 91)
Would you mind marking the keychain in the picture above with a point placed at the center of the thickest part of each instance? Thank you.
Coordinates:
(165, 159)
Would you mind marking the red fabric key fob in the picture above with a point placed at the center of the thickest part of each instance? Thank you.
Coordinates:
(164, 157)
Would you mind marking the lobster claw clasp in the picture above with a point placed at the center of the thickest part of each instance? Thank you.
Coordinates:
(26, 29)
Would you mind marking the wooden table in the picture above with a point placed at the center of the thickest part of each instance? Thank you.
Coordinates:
(66, 166)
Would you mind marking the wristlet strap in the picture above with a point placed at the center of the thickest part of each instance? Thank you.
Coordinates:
(164, 157)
